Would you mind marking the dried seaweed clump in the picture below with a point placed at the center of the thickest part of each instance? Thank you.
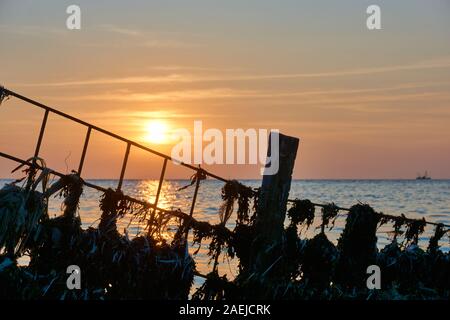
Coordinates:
(196, 177)
(414, 229)
(357, 245)
(240, 240)
(22, 209)
(329, 214)
(114, 267)
(399, 222)
(3, 95)
(215, 287)
(234, 191)
(20, 214)
(413, 273)
(49, 251)
(15, 282)
(71, 192)
(241, 243)
(318, 261)
(302, 212)
(439, 232)
(114, 205)
(219, 236)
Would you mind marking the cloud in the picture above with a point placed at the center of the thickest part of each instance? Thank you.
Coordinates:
(126, 36)
(141, 38)
(400, 93)
(120, 114)
(109, 81)
(194, 78)
(178, 68)
(176, 95)
(121, 30)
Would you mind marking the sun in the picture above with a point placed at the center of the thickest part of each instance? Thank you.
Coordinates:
(156, 131)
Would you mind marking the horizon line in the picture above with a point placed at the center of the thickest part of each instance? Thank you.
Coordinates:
(260, 179)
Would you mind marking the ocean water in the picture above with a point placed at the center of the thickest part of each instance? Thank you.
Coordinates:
(414, 198)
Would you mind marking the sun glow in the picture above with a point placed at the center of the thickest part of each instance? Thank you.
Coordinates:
(157, 131)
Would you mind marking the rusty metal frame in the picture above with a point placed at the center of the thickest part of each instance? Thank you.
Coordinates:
(90, 128)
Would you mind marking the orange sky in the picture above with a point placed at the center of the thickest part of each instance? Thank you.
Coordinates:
(365, 104)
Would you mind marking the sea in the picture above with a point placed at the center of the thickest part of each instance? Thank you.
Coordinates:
(429, 199)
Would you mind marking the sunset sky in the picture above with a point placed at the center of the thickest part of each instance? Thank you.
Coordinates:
(365, 104)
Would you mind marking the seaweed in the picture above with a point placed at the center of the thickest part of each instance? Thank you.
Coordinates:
(198, 176)
(412, 268)
(329, 213)
(201, 230)
(219, 238)
(15, 282)
(357, 245)
(71, 192)
(230, 193)
(302, 212)
(215, 287)
(113, 266)
(398, 224)
(3, 95)
(234, 191)
(414, 229)
(387, 260)
(113, 205)
(292, 252)
(21, 211)
(241, 242)
(149, 267)
(238, 241)
(439, 232)
(318, 262)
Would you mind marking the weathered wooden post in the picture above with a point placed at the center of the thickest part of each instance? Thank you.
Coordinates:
(272, 206)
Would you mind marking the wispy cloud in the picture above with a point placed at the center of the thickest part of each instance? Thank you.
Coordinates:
(141, 38)
(314, 97)
(173, 78)
(121, 30)
(121, 114)
(195, 78)
(176, 95)
(125, 36)
(184, 68)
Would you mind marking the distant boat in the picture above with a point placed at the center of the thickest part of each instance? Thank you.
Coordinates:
(424, 177)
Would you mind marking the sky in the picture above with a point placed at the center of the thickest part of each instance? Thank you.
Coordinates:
(365, 103)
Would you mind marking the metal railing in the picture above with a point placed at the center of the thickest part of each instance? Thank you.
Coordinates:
(129, 144)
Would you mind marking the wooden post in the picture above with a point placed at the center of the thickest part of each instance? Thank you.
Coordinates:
(272, 207)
